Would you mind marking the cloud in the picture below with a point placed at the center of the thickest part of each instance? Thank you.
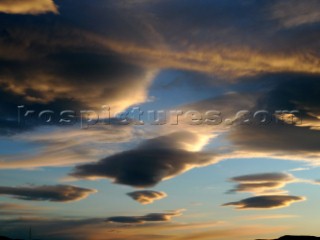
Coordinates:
(294, 13)
(59, 147)
(125, 61)
(28, 6)
(65, 75)
(262, 183)
(263, 217)
(151, 217)
(226, 51)
(9, 210)
(263, 177)
(227, 104)
(64, 69)
(122, 56)
(277, 137)
(57, 193)
(265, 202)
(152, 161)
(51, 61)
(147, 196)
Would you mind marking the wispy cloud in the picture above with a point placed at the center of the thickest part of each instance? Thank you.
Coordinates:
(151, 217)
(57, 193)
(267, 217)
(265, 202)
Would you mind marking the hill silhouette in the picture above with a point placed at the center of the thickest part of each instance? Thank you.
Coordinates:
(289, 237)
(286, 237)
(6, 238)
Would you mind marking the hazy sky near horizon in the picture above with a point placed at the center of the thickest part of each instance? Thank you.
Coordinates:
(159, 119)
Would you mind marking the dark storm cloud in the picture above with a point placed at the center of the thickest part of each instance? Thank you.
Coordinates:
(151, 217)
(148, 164)
(57, 193)
(265, 202)
(147, 196)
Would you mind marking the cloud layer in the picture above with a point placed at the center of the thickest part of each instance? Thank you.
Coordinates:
(57, 193)
(82, 55)
(265, 202)
(151, 217)
(262, 183)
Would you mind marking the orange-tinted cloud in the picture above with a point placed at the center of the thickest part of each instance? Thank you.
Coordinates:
(11, 210)
(146, 196)
(28, 6)
(262, 183)
(264, 217)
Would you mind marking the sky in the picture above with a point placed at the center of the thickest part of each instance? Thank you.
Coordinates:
(159, 119)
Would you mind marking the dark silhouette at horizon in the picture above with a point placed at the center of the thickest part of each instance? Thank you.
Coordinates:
(286, 237)
(7, 238)
(291, 237)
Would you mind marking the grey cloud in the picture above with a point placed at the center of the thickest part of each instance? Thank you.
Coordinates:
(63, 146)
(148, 164)
(286, 13)
(151, 217)
(227, 104)
(8, 210)
(276, 138)
(147, 196)
(57, 193)
(265, 202)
